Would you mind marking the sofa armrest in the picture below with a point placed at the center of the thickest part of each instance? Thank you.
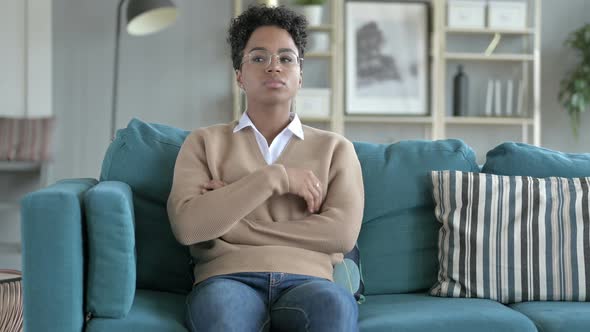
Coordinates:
(53, 256)
(111, 274)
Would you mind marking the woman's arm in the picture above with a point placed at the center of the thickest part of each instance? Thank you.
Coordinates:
(197, 217)
(334, 230)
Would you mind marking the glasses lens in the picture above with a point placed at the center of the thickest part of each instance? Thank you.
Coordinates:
(259, 57)
(288, 59)
(263, 58)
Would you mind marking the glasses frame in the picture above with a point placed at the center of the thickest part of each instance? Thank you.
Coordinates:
(246, 58)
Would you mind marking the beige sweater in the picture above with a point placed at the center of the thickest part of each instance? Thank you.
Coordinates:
(253, 224)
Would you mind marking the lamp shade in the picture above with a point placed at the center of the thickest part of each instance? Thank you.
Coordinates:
(149, 16)
(269, 3)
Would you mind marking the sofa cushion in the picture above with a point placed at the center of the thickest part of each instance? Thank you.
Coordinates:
(111, 249)
(513, 238)
(557, 316)
(420, 312)
(151, 312)
(523, 159)
(398, 239)
(143, 156)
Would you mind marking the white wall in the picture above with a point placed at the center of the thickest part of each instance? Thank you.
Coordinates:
(25, 58)
(179, 76)
(560, 18)
(12, 58)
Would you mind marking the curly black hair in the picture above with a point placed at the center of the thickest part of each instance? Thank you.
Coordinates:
(256, 16)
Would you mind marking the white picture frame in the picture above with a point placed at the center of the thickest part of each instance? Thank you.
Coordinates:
(387, 58)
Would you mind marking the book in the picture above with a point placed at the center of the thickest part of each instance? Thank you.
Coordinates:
(489, 96)
(498, 98)
(509, 95)
(520, 99)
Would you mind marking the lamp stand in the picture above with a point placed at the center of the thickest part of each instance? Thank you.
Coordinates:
(116, 72)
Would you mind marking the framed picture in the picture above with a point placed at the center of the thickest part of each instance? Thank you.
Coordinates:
(387, 58)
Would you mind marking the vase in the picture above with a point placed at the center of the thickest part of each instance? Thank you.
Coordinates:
(460, 90)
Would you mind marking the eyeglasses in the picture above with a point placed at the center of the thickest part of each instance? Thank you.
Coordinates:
(263, 59)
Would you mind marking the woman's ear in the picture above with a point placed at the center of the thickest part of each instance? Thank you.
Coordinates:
(239, 79)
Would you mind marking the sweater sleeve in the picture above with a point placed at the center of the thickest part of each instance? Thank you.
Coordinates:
(197, 217)
(334, 230)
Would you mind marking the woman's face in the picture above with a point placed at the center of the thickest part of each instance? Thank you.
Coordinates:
(276, 82)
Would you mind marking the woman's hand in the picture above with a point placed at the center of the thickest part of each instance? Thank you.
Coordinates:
(305, 184)
(212, 185)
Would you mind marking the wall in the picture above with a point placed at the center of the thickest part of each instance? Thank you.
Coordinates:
(181, 77)
(560, 18)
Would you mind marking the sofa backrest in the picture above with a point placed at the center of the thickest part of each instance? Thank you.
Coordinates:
(143, 156)
(399, 236)
(512, 158)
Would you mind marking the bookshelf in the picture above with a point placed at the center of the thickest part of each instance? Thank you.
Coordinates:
(484, 57)
(528, 60)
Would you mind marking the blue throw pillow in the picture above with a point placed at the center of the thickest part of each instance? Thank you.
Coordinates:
(143, 156)
(512, 158)
(348, 274)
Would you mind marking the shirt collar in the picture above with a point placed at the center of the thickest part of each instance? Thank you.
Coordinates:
(294, 126)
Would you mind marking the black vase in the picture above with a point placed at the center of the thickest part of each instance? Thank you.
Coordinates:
(460, 97)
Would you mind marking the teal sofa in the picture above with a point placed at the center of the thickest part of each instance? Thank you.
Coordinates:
(99, 255)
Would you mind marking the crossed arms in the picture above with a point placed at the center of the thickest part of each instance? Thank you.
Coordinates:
(201, 209)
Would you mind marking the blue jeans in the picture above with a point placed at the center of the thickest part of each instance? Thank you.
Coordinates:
(257, 301)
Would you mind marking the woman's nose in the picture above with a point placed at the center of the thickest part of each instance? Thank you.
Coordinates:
(274, 65)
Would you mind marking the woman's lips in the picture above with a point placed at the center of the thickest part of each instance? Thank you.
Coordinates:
(274, 83)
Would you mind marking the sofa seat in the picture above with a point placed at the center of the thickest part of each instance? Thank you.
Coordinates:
(151, 312)
(421, 312)
(557, 316)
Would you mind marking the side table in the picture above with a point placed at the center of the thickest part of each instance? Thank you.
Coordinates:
(11, 301)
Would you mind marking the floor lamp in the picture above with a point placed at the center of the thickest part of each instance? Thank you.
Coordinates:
(143, 18)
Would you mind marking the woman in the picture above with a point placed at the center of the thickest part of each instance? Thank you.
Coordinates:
(267, 205)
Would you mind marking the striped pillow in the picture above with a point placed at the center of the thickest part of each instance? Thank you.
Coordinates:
(512, 238)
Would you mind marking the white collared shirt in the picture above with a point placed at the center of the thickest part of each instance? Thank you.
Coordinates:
(279, 143)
